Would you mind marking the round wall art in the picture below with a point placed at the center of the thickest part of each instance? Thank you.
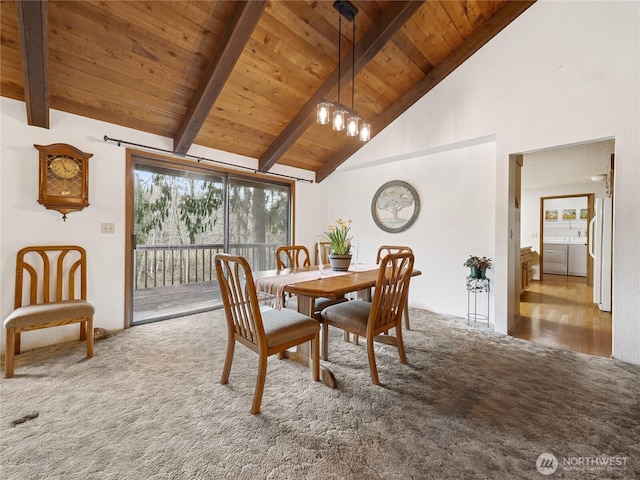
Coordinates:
(395, 206)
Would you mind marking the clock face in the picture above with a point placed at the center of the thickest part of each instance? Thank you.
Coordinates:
(64, 167)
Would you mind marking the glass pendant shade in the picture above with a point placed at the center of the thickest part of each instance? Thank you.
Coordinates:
(338, 119)
(322, 113)
(365, 132)
(352, 126)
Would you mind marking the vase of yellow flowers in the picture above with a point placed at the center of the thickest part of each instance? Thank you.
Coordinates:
(340, 253)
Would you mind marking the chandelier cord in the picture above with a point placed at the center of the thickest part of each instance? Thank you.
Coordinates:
(339, 53)
(353, 66)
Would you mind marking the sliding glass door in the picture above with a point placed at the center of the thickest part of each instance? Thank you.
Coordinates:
(182, 215)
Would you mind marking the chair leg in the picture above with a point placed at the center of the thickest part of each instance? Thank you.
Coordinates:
(16, 344)
(226, 370)
(262, 374)
(9, 352)
(89, 335)
(315, 355)
(347, 338)
(400, 344)
(83, 331)
(325, 340)
(372, 361)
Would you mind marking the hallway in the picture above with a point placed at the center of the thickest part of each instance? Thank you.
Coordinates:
(560, 312)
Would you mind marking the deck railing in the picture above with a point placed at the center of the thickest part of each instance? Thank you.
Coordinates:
(162, 265)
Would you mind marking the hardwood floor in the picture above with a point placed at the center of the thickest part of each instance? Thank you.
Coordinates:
(559, 312)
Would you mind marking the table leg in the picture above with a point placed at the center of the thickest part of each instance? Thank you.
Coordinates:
(306, 306)
(407, 325)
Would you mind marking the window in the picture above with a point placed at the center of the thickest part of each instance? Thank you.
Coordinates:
(182, 216)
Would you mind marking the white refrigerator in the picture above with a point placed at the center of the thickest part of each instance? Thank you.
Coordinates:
(600, 249)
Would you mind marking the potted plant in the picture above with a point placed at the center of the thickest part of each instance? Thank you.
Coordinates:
(478, 266)
(338, 236)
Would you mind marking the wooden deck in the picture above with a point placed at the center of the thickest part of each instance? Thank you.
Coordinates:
(160, 303)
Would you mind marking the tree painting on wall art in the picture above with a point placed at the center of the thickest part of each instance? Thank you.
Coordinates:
(395, 206)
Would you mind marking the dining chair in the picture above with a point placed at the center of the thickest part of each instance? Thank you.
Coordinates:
(50, 291)
(384, 250)
(384, 312)
(266, 331)
(292, 256)
(366, 294)
(321, 252)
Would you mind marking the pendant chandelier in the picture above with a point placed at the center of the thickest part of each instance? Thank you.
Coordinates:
(344, 118)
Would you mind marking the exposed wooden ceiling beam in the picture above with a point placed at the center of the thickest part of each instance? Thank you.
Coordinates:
(32, 27)
(374, 39)
(503, 17)
(237, 33)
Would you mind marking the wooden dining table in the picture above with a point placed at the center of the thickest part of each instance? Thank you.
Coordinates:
(310, 283)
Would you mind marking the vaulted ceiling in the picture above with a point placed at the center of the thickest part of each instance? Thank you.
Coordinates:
(242, 77)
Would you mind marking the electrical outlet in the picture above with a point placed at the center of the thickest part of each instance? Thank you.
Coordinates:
(108, 228)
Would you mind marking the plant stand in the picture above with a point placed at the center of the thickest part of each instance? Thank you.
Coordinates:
(474, 287)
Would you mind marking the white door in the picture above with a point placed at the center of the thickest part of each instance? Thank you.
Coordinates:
(600, 248)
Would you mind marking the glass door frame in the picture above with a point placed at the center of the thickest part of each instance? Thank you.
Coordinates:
(134, 157)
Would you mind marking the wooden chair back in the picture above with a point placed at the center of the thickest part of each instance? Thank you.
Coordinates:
(242, 310)
(290, 256)
(392, 287)
(321, 252)
(50, 274)
(386, 249)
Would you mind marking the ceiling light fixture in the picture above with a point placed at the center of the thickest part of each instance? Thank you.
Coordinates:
(340, 121)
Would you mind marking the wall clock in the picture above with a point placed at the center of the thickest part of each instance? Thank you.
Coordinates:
(64, 178)
(395, 206)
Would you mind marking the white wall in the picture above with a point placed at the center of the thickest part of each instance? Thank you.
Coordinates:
(562, 73)
(25, 222)
(456, 219)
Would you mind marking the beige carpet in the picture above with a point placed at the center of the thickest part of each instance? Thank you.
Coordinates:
(470, 404)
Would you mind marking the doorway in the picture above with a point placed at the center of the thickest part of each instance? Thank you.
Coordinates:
(558, 310)
(564, 236)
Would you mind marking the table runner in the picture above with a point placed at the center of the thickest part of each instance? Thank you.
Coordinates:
(275, 285)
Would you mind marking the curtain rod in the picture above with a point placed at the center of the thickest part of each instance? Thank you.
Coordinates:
(199, 159)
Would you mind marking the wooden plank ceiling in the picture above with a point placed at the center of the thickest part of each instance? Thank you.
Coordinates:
(234, 76)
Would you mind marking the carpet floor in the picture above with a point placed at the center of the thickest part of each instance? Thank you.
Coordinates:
(471, 404)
